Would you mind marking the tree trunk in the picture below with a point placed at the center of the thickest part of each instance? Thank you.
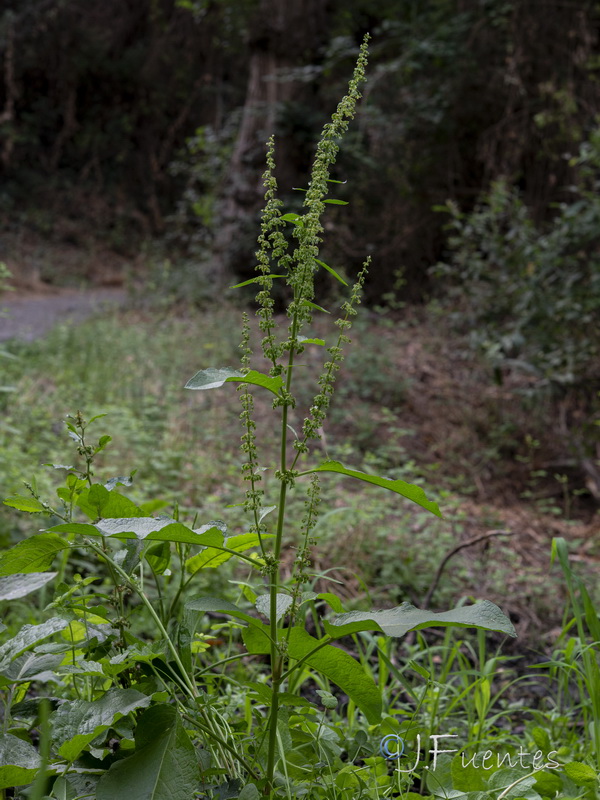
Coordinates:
(285, 34)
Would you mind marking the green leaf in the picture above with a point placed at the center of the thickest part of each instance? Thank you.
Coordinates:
(500, 781)
(307, 340)
(27, 637)
(75, 723)
(19, 761)
(159, 557)
(147, 529)
(32, 555)
(542, 739)
(331, 270)
(408, 490)
(466, 777)
(97, 501)
(22, 503)
(330, 661)
(334, 202)
(297, 219)
(214, 378)
(216, 605)
(213, 557)
(314, 306)
(333, 600)
(439, 780)
(30, 667)
(163, 767)
(255, 280)
(20, 585)
(547, 784)
(97, 498)
(249, 792)
(420, 669)
(263, 605)
(580, 774)
(327, 699)
(122, 480)
(404, 618)
(102, 442)
(97, 416)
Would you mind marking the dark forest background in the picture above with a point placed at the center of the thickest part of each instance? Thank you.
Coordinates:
(149, 117)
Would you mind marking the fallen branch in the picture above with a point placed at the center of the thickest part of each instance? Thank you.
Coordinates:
(453, 552)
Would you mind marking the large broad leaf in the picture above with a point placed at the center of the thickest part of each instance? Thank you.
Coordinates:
(408, 490)
(20, 585)
(27, 637)
(332, 662)
(213, 378)
(32, 555)
(31, 667)
(19, 761)
(213, 557)
(163, 767)
(75, 723)
(402, 619)
(146, 528)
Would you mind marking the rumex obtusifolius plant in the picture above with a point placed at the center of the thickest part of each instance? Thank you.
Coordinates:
(288, 644)
(148, 694)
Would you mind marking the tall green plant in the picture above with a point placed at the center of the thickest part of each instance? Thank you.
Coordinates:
(288, 644)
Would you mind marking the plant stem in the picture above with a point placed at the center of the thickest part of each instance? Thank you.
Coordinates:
(222, 742)
(277, 660)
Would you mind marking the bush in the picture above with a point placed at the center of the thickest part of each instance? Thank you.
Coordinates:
(529, 294)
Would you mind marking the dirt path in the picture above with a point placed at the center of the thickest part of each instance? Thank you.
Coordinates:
(30, 316)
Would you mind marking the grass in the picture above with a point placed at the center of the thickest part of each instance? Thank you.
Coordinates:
(133, 368)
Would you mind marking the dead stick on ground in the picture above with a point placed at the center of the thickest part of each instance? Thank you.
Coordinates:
(452, 553)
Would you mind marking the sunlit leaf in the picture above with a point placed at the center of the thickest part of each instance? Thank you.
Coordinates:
(20, 584)
(214, 378)
(147, 529)
(263, 604)
(404, 618)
